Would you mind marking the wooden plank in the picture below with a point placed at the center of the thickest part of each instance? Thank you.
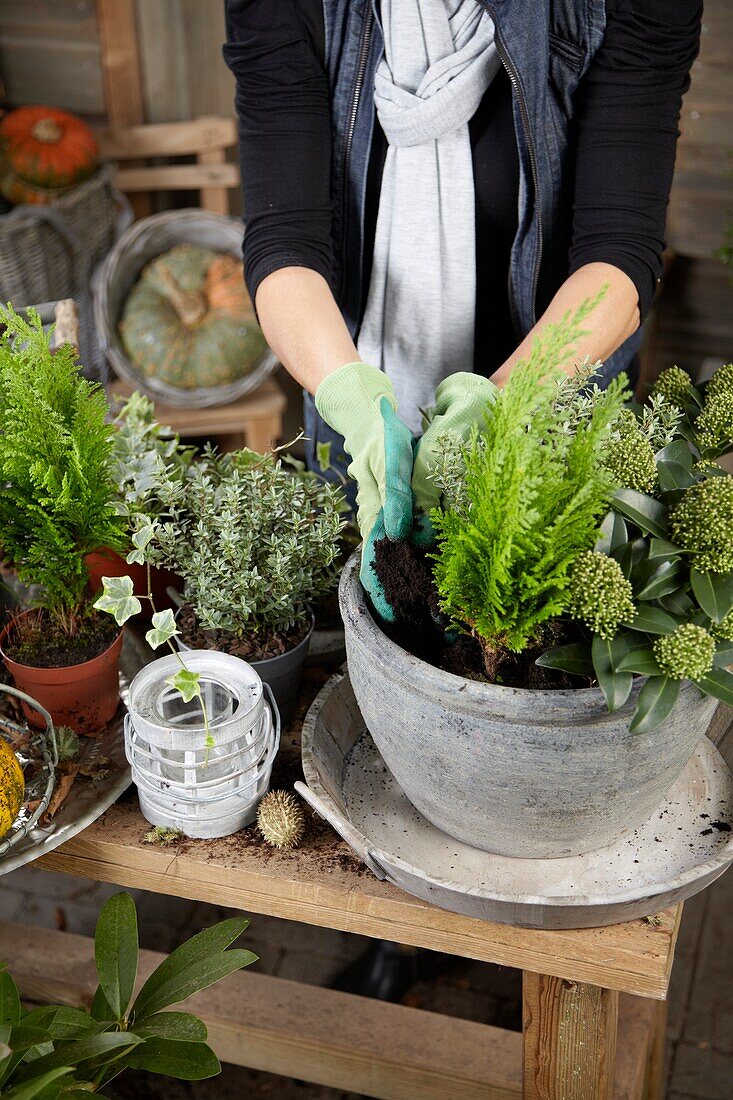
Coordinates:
(43, 71)
(73, 20)
(320, 1035)
(178, 177)
(169, 139)
(214, 199)
(322, 884)
(569, 1039)
(265, 404)
(637, 1020)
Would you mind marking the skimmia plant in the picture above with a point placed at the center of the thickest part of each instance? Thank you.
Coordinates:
(655, 595)
(572, 513)
(59, 1053)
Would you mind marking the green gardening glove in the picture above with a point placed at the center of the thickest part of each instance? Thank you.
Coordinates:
(358, 402)
(460, 403)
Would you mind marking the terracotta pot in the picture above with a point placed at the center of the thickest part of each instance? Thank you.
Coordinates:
(108, 563)
(83, 696)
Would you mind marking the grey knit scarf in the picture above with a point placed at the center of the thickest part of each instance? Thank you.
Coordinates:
(439, 58)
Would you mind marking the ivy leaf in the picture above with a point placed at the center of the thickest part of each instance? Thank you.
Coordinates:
(646, 512)
(163, 629)
(186, 683)
(656, 700)
(117, 598)
(140, 540)
(573, 658)
(615, 685)
(714, 593)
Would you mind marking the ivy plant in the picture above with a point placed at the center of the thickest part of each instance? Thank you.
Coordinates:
(59, 1053)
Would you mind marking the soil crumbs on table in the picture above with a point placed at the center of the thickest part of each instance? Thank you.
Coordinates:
(321, 847)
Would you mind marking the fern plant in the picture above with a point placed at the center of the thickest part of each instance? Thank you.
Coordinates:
(56, 488)
(532, 498)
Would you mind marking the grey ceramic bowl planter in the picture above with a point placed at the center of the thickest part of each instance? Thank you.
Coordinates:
(520, 772)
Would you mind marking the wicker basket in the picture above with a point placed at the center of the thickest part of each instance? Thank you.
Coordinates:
(48, 252)
(141, 243)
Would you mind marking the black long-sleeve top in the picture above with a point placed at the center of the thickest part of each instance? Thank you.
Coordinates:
(623, 136)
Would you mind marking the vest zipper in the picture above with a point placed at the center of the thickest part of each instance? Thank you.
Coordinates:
(524, 113)
(363, 58)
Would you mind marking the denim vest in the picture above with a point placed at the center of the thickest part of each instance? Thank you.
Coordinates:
(545, 47)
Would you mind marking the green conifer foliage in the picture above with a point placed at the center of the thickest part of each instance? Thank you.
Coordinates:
(536, 494)
(56, 488)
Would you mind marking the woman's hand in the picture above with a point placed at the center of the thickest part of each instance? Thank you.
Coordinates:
(614, 319)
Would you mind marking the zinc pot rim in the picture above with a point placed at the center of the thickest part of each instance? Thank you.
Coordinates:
(401, 666)
(56, 670)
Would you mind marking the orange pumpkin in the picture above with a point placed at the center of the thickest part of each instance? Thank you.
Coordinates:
(44, 149)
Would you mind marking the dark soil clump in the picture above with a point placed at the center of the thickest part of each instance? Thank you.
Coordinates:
(35, 640)
(250, 647)
(405, 572)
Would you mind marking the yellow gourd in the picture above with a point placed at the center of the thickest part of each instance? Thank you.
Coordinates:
(12, 787)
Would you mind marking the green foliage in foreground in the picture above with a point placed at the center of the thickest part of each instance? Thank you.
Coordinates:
(536, 494)
(58, 1053)
(56, 487)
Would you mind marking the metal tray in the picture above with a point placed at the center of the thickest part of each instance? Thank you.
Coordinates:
(88, 798)
(674, 855)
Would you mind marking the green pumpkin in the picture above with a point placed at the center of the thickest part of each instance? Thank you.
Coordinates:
(188, 321)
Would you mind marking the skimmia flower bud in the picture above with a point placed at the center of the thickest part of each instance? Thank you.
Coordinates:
(702, 524)
(674, 384)
(714, 425)
(721, 382)
(687, 653)
(630, 459)
(599, 593)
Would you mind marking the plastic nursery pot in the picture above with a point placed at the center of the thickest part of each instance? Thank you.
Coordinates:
(283, 674)
(520, 772)
(83, 696)
(108, 563)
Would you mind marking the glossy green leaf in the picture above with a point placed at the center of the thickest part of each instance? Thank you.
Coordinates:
(202, 947)
(573, 658)
(665, 579)
(656, 700)
(9, 1001)
(616, 686)
(719, 684)
(174, 1025)
(723, 655)
(26, 1036)
(614, 533)
(629, 556)
(100, 1048)
(101, 1009)
(116, 951)
(673, 476)
(185, 1060)
(714, 593)
(677, 603)
(641, 661)
(653, 620)
(197, 975)
(186, 683)
(33, 1088)
(663, 550)
(677, 451)
(61, 1022)
(646, 512)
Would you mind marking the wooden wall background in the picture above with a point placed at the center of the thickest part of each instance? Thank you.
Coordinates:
(50, 53)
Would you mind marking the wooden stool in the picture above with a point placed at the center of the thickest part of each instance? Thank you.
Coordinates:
(255, 420)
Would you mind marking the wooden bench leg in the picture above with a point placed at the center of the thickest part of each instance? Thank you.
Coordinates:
(568, 1039)
(655, 1072)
